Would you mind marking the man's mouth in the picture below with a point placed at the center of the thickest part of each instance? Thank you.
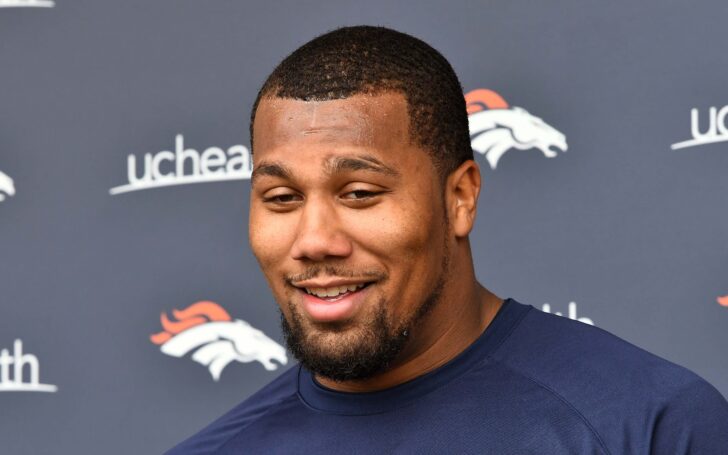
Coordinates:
(335, 293)
(333, 301)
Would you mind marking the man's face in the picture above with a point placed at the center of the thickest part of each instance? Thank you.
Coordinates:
(348, 225)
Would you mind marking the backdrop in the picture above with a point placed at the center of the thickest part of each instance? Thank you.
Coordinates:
(599, 128)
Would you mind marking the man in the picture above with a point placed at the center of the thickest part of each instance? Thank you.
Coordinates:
(363, 194)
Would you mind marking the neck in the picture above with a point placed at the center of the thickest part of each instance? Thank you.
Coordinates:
(459, 318)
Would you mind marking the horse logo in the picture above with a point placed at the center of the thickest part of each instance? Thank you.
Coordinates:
(216, 339)
(7, 187)
(496, 127)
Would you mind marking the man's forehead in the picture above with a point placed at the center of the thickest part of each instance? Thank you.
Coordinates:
(378, 121)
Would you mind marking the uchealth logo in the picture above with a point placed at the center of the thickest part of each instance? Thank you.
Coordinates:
(713, 128)
(7, 187)
(216, 339)
(571, 313)
(20, 372)
(184, 166)
(27, 4)
(496, 127)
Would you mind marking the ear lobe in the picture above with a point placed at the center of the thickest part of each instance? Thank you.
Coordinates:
(463, 189)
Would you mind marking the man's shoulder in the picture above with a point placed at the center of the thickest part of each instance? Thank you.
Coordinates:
(558, 350)
(211, 438)
(631, 398)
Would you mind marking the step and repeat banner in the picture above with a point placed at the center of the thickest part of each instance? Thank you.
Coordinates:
(132, 311)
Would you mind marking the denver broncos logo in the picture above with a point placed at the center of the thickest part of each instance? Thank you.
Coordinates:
(6, 186)
(496, 127)
(206, 328)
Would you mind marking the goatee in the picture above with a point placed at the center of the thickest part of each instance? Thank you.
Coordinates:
(372, 352)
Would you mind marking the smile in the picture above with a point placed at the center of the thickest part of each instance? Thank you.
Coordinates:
(334, 293)
(333, 301)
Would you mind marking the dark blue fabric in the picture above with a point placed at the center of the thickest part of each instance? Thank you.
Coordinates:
(533, 383)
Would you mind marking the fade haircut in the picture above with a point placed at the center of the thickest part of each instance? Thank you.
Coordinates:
(373, 60)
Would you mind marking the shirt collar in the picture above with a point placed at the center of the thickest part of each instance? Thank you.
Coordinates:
(320, 398)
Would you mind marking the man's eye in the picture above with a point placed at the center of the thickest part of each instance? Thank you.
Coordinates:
(359, 194)
(282, 198)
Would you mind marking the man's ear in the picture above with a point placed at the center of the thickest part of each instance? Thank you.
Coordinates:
(461, 193)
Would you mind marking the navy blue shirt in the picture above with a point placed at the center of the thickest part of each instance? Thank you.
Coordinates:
(532, 383)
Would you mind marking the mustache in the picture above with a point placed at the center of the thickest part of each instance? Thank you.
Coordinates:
(338, 272)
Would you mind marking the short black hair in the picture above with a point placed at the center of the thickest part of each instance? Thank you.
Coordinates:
(371, 60)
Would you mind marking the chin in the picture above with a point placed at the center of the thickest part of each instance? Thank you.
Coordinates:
(343, 353)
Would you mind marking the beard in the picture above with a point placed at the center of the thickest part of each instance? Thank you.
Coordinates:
(344, 353)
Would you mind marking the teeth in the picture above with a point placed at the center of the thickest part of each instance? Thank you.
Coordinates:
(333, 291)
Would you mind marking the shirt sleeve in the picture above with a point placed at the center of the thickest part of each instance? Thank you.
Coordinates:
(694, 421)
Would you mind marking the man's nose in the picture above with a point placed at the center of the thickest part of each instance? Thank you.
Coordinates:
(319, 234)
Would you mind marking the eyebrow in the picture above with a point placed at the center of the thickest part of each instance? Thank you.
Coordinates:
(333, 166)
(271, 170)
(359, 163)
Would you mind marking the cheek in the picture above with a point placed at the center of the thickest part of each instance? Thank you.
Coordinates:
(404, 231)
(408, 244)
(270, 236)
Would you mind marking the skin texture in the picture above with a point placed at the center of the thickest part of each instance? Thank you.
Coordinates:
(340, 192)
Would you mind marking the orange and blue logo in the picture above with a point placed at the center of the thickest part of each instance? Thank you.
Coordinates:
(496, 127)
(216, 339)
(723, 300)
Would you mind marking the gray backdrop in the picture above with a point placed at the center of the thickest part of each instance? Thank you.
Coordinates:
(626, 227)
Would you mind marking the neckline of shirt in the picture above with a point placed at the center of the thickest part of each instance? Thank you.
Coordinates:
(323, 399)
